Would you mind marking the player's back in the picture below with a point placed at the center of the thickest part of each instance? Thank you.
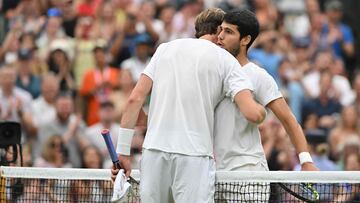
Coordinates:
(187, 85)
(239, 143)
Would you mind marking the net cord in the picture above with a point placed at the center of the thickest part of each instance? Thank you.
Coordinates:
(221, 176)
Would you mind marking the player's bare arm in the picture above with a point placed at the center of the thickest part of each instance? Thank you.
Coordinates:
(252, 111)
(282, 111)
(131, 114)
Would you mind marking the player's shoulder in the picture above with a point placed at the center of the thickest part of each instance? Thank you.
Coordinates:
(254, 68)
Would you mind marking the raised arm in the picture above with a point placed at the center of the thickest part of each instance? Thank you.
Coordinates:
(282, 111)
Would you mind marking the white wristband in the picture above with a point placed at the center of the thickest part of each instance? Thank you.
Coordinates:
(124, 141)
(305, 157)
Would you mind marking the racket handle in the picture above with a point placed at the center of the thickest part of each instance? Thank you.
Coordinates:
(109, 144)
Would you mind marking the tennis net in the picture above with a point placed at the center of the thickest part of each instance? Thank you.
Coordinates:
(94, 185)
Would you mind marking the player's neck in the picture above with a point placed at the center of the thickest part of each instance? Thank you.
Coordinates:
(242, 58)
(211, 38)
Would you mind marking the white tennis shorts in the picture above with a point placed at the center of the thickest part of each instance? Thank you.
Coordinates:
(168, 177)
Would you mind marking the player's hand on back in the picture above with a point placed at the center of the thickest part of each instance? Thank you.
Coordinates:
(308, 166)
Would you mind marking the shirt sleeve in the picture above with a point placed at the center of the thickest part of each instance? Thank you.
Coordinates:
(267, 90)
(150, 68)
(236, 81)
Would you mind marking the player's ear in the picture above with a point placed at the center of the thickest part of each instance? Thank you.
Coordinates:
(245, 40)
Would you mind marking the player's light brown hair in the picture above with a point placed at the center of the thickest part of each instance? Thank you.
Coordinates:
(208, 21)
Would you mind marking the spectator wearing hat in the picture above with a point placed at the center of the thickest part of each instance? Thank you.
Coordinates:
(134, 66)
(25, 78)
(52, 31)
(97, 84)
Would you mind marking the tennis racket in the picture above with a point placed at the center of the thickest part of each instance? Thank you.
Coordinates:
(302, 191)
(109, 144)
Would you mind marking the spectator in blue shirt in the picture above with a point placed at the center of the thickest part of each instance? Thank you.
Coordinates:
(339, 35)
(25, 78)
(266, 56)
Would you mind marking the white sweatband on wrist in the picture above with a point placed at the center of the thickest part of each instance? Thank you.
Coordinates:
(305, 157)
(124, 141)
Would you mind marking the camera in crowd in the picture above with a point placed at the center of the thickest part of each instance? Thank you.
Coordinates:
(10, 140)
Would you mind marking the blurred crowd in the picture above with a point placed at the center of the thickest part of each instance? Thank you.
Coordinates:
(68, 66)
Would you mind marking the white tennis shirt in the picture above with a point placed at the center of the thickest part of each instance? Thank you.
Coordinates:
(190, 77)
(237, 141)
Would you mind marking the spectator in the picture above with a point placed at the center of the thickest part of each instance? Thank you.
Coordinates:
(10, 46)
(340, 86)
(356, 88)
(184, 18)
(15, 102)
(26, 80)
(338, 34)
(319, 153)
(31, 16)
(85, 42)
(69, 16)
(125, 42)
(266, 13)
(266, 56)
(92, 133)
(65, 124)
(43, 108)
(349, 146)
(91, 157)
(146, 21)
(105, 24)
(289, 79)
(278, 152)
(324, 106)
(301, 26)
(135, 65)
(54, 154)
(348, 127)
(97, 85)
(119, 96)
(60, 64)
(52, 31)
(27, 42)
(164, 26)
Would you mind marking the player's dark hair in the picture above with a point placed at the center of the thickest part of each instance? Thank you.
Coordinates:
(246, 22)
(208, 21)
